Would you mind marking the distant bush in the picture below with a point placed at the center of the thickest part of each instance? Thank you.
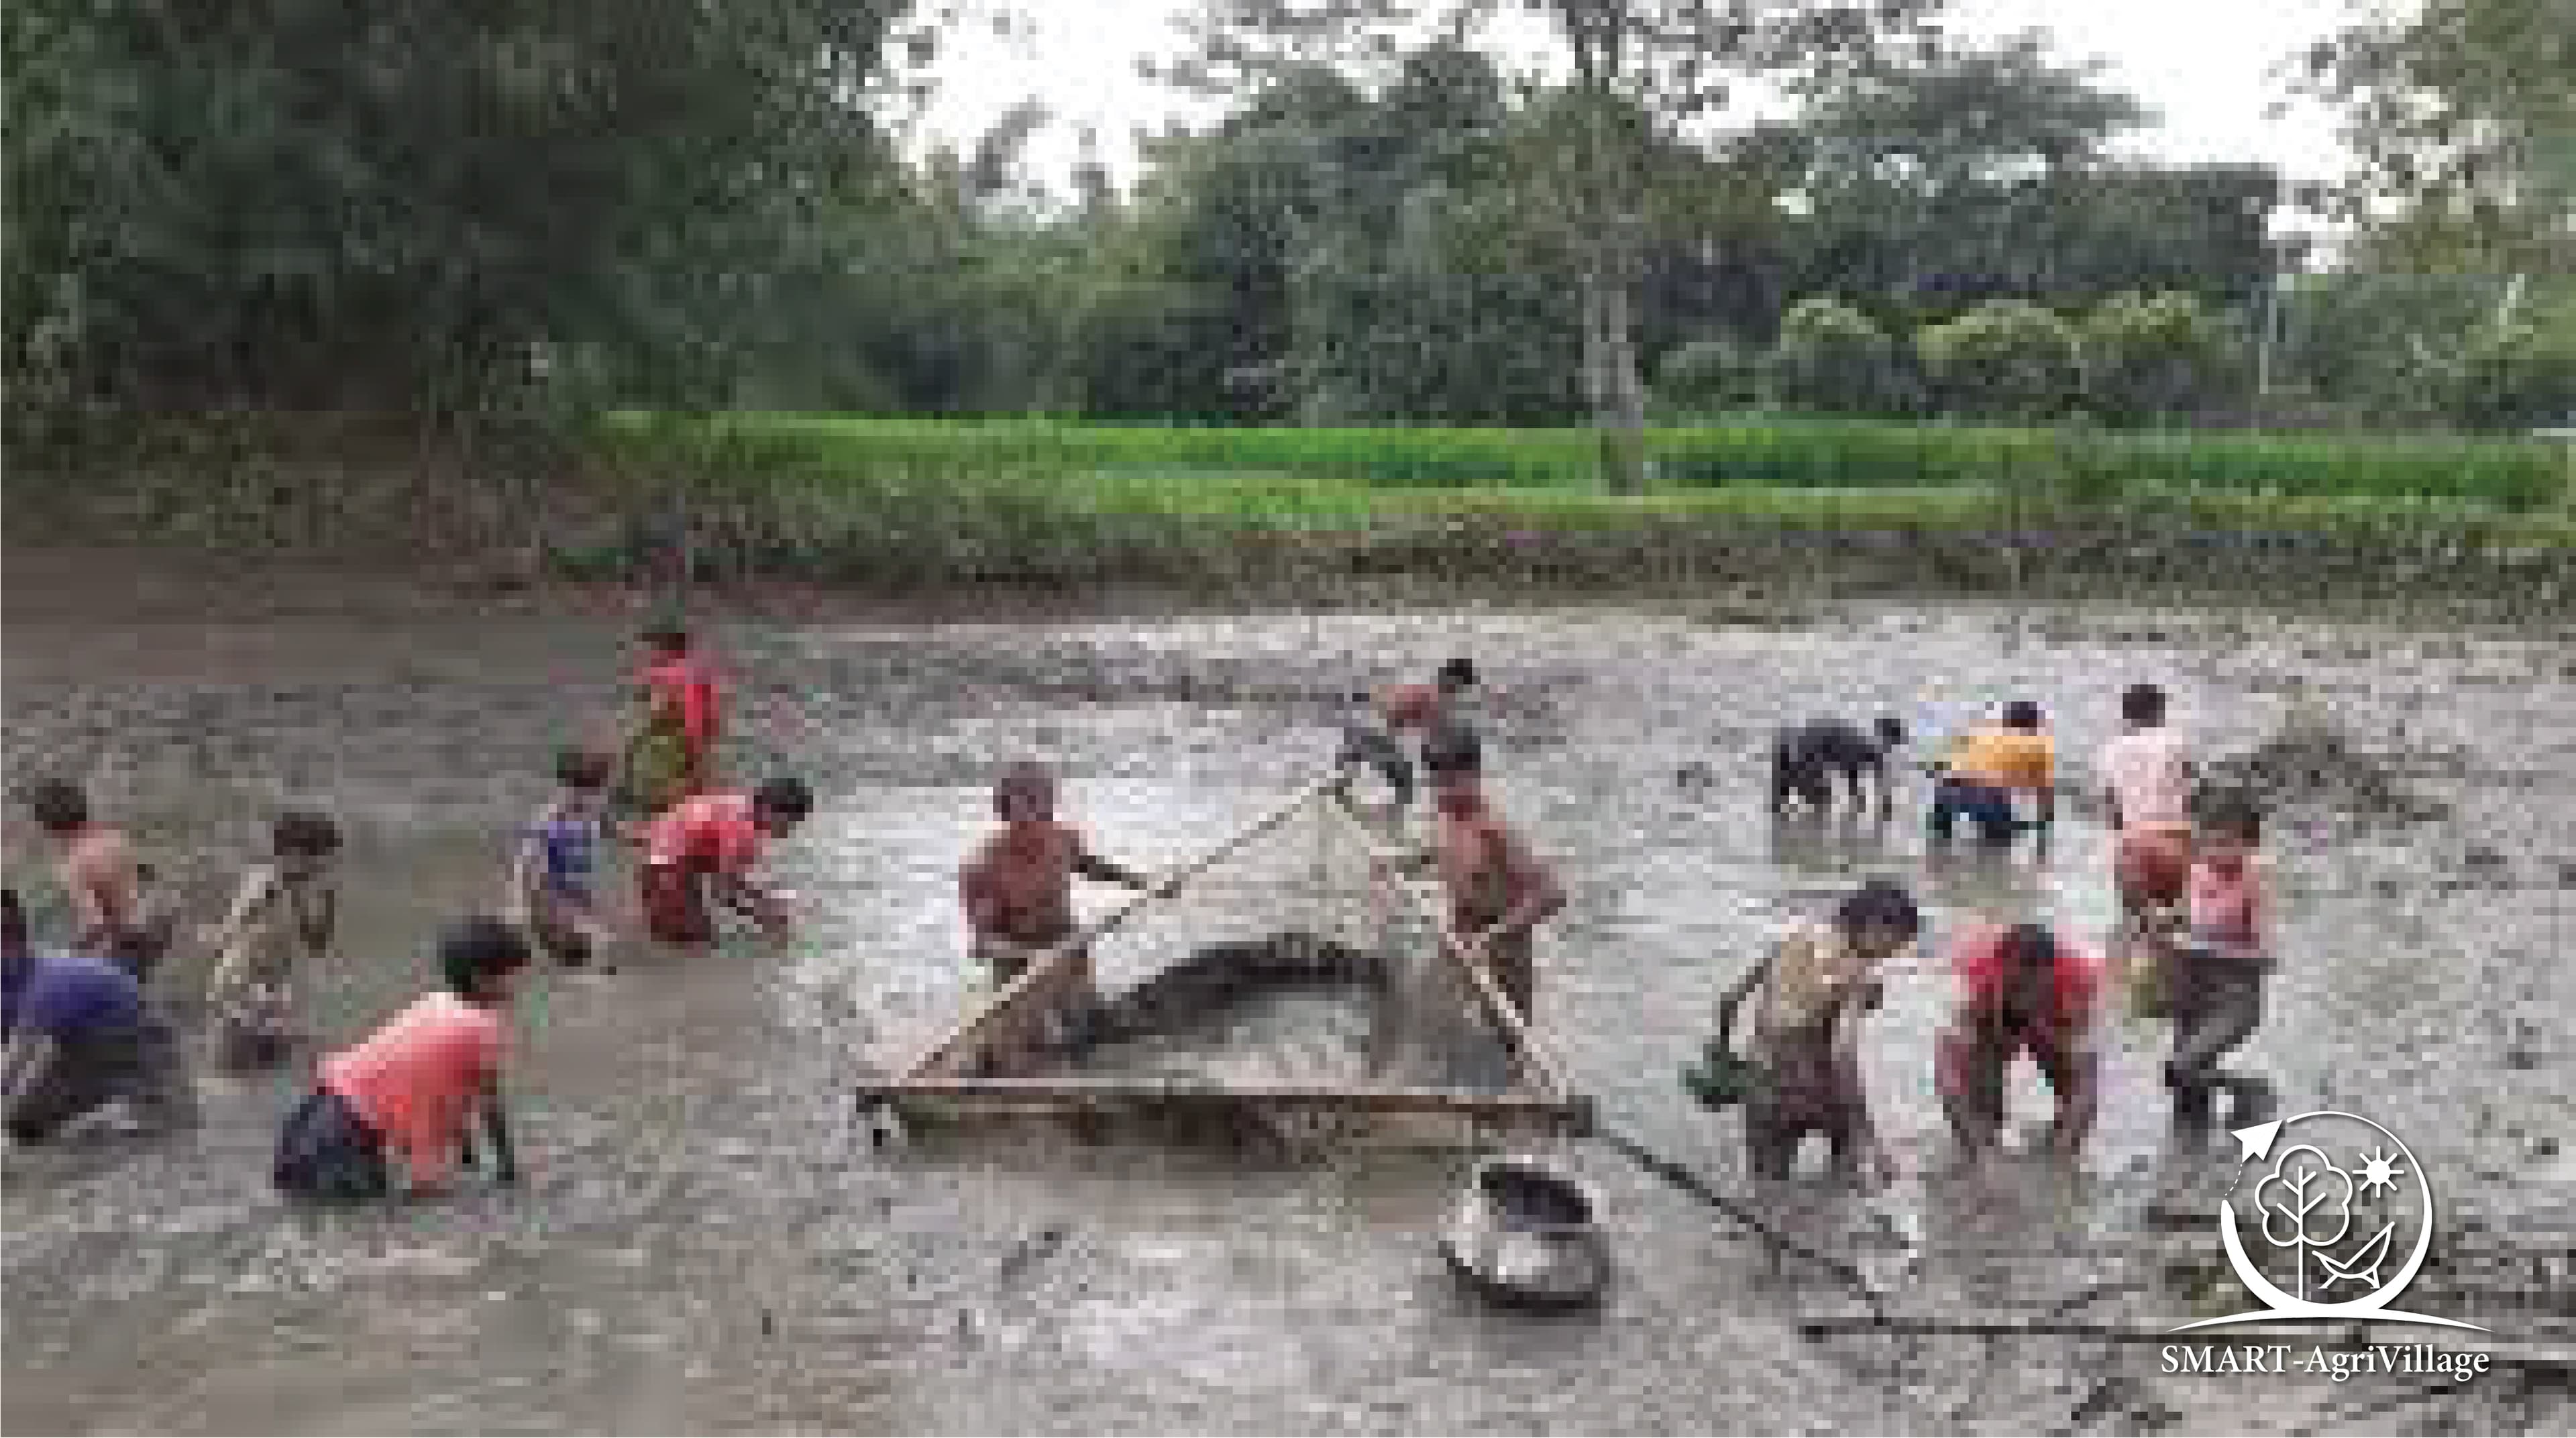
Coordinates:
(2004, 360)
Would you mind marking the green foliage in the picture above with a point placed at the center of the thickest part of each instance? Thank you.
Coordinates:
(2517, 376)
(2161, 358)
(1834, 455)
(1709, 376)
(2006, 359)
(1831, 358)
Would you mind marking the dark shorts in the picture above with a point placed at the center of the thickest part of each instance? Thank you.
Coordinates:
(140, 1066)
(327, 1153)
(1987, 806)
(675, 904)
(137, 949)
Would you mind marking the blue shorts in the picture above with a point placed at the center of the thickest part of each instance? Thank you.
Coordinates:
(1987, 806)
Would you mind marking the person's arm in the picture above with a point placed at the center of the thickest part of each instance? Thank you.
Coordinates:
(749, 896)
(24, 1065)
(1098, 870)
(322, 921)
(1733, 1001)
(2081, 1103)
(226, 939)
(526, 863)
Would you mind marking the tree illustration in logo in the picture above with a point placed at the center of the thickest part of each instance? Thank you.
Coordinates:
(2306, 1203)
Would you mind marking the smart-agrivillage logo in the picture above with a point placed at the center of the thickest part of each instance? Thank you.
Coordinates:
(2336, 1218)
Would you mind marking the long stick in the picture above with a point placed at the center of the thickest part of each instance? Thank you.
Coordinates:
(951, 1051)
(1699, 1188)
(1532, 1056)
(1078, 1092)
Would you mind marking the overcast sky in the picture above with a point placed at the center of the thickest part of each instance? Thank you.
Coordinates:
(2205, 66)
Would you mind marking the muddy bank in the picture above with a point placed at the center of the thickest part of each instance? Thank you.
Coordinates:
(709, 1239)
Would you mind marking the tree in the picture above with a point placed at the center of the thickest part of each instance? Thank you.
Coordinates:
(2464, 112)
(1709, 375)
(2160, 358)
(2007, 359)
(1635, 70)
(294, 204)
(2516, 376)
(1834, 359)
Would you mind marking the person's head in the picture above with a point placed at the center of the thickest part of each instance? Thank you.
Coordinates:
(1457, 676)
(2231, 825)
(1890, 732)
(1453, 760)
(303, 841)
(479, 958)
(666, 641)
(1025, 793)
(584, 775)
(1878, 919)
(2142, 706)
(13, 926)
(2022, 716)
(58, 806)
(779, 805)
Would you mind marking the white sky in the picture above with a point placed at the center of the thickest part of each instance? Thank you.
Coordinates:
(2204, 66)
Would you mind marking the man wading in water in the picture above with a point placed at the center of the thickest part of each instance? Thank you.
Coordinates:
(2025, 990)
(1404, 712)
(109, 891)
(1817, 987)
(1017, 890)
(1498, 891)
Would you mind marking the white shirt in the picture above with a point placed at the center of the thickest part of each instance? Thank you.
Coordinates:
(2150, 775)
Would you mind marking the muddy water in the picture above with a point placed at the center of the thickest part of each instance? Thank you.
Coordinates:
(709, 1241)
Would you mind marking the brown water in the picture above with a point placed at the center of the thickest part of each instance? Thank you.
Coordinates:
(709, 1241)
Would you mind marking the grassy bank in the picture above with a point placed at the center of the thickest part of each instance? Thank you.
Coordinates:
(843, 502)
(1777, 454)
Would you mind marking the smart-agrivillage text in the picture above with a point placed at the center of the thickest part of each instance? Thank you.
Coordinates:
(2337, 1363)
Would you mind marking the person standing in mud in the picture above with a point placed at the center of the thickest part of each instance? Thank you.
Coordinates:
(1017, 892)
(554, 867)
(2215, 986)
(1408, 712)
(1816, 987)
(707, 847)
(2025, 990)
(282, 918)
(1804, 761)
(1987, 768)
(2150, 773)
(410, 1092)
(112, 896)
(79, 1035)
(670, 753)
(1498, 891)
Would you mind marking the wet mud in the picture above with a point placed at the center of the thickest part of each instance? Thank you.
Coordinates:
(709, 1239)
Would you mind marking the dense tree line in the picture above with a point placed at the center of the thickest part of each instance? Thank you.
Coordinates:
(436, 208)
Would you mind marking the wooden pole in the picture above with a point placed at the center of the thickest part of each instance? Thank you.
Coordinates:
(1532, 1056)
(951, 1052)
(1079, 1092)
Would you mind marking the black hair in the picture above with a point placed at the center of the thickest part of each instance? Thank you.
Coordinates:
(2021, 714)
(787, 798)
(2232, 811)
(1890, 731)
(58, 805)
(1017, 778)
(478, 949)
(669, 637)
(2030, 959)
(583, 769)
(304, 831)
(13, 920)
(2143, 705)
(1458, 673)
(1453, 749)
(1879, 903)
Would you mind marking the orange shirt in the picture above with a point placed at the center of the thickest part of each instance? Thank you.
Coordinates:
(2006, 758)
(713, 832)
(416, 1080)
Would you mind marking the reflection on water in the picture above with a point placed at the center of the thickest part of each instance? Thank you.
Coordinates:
(710, 1241)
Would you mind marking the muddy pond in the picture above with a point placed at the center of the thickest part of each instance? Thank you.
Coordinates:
(707, 1239)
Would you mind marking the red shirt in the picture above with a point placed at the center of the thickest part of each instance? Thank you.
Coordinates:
(1410, 706)
(689, 686)
(416, 1080)
(713, 832)
(1982, 970)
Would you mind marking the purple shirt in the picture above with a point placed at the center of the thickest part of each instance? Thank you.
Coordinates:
(67, 998)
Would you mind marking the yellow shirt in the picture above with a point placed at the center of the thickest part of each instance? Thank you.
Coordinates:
(2006, 758)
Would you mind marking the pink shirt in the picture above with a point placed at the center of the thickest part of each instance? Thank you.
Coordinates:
(416, 1080)
(2226, 906)
(2150, 776)
(711, 831)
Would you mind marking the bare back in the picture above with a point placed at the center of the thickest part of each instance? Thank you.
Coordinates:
(1019, 885)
